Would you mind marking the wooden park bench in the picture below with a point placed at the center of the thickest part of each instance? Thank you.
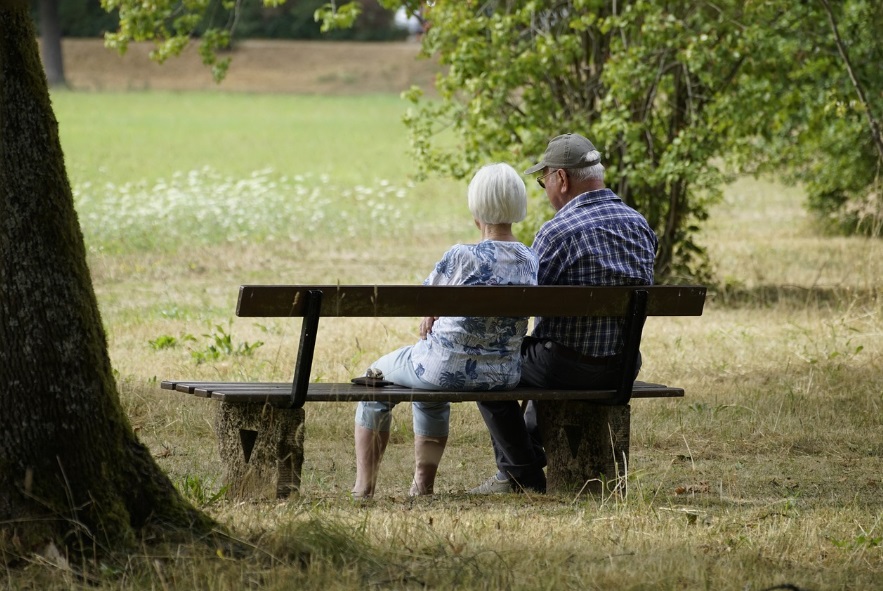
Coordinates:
(585, 432)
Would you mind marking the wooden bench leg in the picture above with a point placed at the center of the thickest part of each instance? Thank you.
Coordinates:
(262, 449)
(587, 445)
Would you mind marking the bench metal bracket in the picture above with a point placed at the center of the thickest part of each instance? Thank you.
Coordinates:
(305, 350)
(631, 332)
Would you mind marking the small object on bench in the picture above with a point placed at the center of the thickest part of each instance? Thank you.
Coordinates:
(585, 432)
(371, 382)
(373, 378)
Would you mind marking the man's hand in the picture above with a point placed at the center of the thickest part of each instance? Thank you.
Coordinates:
(426, 325)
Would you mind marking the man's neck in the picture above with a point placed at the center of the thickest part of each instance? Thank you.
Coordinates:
(587, 186)
(577, 189)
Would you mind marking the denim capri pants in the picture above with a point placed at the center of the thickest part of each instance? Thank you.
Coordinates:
(431, 419)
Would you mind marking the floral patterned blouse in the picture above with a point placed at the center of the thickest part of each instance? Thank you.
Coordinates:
(474, 353)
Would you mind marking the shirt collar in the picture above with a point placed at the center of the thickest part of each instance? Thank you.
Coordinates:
(590, 198)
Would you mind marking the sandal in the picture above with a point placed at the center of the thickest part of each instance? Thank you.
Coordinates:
(373, 378)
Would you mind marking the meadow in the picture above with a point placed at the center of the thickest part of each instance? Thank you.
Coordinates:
(769, 472)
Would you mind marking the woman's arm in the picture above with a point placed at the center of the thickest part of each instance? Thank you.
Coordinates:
(426, 325)
(446, 272)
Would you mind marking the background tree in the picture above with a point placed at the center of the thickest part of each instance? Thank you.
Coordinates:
(72, 472)
(815, 114)
(644, 80)
(50, 43)
(669, 91)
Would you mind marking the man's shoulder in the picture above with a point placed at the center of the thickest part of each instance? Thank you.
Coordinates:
(606, 213)
(591, 214)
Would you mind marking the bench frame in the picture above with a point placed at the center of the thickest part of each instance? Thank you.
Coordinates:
(634, 326)
(585, 432)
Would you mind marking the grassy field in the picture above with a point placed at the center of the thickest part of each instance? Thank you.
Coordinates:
(769, 472)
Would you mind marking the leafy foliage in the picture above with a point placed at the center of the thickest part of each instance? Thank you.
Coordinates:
(198, 490)
(163, 342)
(668, 92)
(642, 81)
(291, 20)
(221, 344)
(816, 114)
(173, 24)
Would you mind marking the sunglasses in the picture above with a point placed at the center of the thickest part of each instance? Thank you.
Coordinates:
(541, 182)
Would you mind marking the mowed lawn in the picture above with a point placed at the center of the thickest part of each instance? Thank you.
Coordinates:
(769, 471)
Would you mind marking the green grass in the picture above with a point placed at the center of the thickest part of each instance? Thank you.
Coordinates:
(134, 136)
(159, 172)
(768, 472)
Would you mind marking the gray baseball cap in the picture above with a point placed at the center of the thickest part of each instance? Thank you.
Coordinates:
(566, 151)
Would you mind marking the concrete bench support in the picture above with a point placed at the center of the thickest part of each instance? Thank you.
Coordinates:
(587, 445)
(262, 449)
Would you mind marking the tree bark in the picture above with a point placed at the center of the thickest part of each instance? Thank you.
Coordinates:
(50, 43)
(71, 469)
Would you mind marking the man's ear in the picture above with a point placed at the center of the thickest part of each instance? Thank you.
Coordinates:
(563, 181)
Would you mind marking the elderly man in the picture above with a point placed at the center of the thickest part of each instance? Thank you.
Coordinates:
(593, 239)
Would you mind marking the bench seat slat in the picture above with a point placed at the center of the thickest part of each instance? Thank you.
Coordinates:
(205, 389)
(278, 393)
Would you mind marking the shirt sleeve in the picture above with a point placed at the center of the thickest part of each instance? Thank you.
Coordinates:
(549, 254)
(448, 271)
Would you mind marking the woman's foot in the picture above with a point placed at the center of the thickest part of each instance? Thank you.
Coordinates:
(427, 456)
(370, 446)
(416, 491)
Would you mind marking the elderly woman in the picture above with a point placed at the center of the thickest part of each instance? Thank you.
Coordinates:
(455, 353)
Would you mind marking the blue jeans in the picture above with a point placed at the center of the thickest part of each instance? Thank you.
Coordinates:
(431, 419)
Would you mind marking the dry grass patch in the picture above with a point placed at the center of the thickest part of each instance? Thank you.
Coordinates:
(767, 472)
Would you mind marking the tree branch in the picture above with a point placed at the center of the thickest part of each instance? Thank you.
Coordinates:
(875, 125)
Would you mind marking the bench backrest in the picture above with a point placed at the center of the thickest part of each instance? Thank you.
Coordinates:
(311, 302)
(465, 300)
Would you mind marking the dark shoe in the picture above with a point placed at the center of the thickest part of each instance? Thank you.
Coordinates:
(535, 486)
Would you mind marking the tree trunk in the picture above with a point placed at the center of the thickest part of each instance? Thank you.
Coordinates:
(50, 43)
(71, 469)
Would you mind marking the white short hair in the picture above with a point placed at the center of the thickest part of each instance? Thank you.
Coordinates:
(590, 172)
(497, 195)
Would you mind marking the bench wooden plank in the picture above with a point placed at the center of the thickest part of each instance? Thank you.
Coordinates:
(279, 393)
(204, 389)
(273, 301)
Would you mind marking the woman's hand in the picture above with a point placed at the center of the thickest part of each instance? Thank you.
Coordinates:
(426, 325)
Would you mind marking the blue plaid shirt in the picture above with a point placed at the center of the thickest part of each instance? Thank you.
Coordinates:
(595, 239)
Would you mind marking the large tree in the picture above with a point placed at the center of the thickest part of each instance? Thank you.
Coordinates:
(641, 79)
(72, 472)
